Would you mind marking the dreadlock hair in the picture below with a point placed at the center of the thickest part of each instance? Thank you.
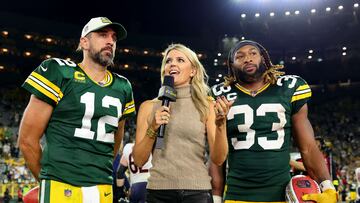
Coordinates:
(271, 73)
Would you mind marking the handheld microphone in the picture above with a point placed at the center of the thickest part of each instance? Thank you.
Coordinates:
(167, 94)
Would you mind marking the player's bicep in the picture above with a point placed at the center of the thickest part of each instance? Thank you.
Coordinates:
(35, 119)
(302, 129)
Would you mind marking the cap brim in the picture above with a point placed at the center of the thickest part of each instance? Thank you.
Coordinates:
(118, 28)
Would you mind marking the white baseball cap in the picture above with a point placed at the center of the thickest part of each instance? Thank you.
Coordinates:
(101, 22)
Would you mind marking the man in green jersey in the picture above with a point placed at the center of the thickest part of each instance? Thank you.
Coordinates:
(81, 109)
(269, 108)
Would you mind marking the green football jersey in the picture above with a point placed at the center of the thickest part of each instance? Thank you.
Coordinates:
(80, 133)
(258, 131)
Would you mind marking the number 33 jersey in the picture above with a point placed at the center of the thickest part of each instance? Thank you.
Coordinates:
(258, 131)
(80, 133)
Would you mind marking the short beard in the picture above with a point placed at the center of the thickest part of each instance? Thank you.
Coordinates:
(101, 59)
(249, 78)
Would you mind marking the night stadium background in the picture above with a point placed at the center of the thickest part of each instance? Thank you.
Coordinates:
(315, 39)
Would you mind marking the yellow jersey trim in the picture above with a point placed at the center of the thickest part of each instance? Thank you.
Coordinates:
(129, 107)
(42, 90)
(233, 201)
(252, 93)
(300, 96)
(49, 84)
(108, 77)
(303, 87)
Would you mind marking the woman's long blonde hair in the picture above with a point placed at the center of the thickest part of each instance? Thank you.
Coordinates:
(199, 88)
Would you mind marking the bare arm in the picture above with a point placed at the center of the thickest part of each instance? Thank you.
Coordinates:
(216, 130)
(145, 123)
(33, 124)
(119, 136)
(217, 178)
(312, 157)
(143, 144)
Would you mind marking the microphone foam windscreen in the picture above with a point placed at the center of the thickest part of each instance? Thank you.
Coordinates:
(168, 81)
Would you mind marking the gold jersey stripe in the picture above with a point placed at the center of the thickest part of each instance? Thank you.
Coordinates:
(47, 83)
(129, 110)
(129, 103)
(300, 96)
(233, 201)
(42, 90)
(302, 87)
(108, 77)
(252, 93)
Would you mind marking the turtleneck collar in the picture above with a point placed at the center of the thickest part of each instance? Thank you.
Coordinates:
(183, 92)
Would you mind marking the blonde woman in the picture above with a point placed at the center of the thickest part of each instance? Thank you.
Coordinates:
(179, 173)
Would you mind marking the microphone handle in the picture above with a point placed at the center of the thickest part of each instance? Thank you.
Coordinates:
(161, 133)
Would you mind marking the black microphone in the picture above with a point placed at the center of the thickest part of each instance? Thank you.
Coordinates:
(167, 94)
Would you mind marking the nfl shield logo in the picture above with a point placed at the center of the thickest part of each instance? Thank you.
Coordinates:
(67, 192)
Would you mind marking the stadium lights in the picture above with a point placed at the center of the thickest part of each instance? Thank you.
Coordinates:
(217, 80)
(272, 14)
(127, 50)
(215, 60)
(200, 55)
(5, 33)
(243, 15)
(356, 5)
(287, 13)
(220, 75)
(313, 10)
(145, 52)
(68, 59)
(126, 66)
(47, 56)
(242, 38)
(145, 67)
(319, 59)
(27, 53)
(297, 12)
(328, 9)
(311, 51)
(27, 36)
(293, 58)
(309, 57)
(344, 48)
(219, 54)
(48, 39)
(215, 64)
(281, 62)
(2, 67)
(257, 15)
(344, 53)
(5, 50)
(340, 7)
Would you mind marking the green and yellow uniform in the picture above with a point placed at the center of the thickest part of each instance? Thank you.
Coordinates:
(80, 133)
(259, 131)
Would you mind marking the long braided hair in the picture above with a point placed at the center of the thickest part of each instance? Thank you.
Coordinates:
(271, 73)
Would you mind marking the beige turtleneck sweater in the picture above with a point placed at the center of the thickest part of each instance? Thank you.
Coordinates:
(181, 164)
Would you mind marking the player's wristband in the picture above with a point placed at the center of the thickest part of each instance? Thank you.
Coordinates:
(217, 199)
(326, 184)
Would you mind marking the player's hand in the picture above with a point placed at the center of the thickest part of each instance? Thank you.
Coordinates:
(162, 116)
(222, 107)
(328, 196)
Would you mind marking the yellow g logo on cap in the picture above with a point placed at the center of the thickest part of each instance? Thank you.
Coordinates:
(105, 20)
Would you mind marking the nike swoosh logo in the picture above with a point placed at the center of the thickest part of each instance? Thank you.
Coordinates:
(107, 194)
(43, 69)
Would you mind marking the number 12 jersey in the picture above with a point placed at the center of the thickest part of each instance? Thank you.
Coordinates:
(80, 133)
